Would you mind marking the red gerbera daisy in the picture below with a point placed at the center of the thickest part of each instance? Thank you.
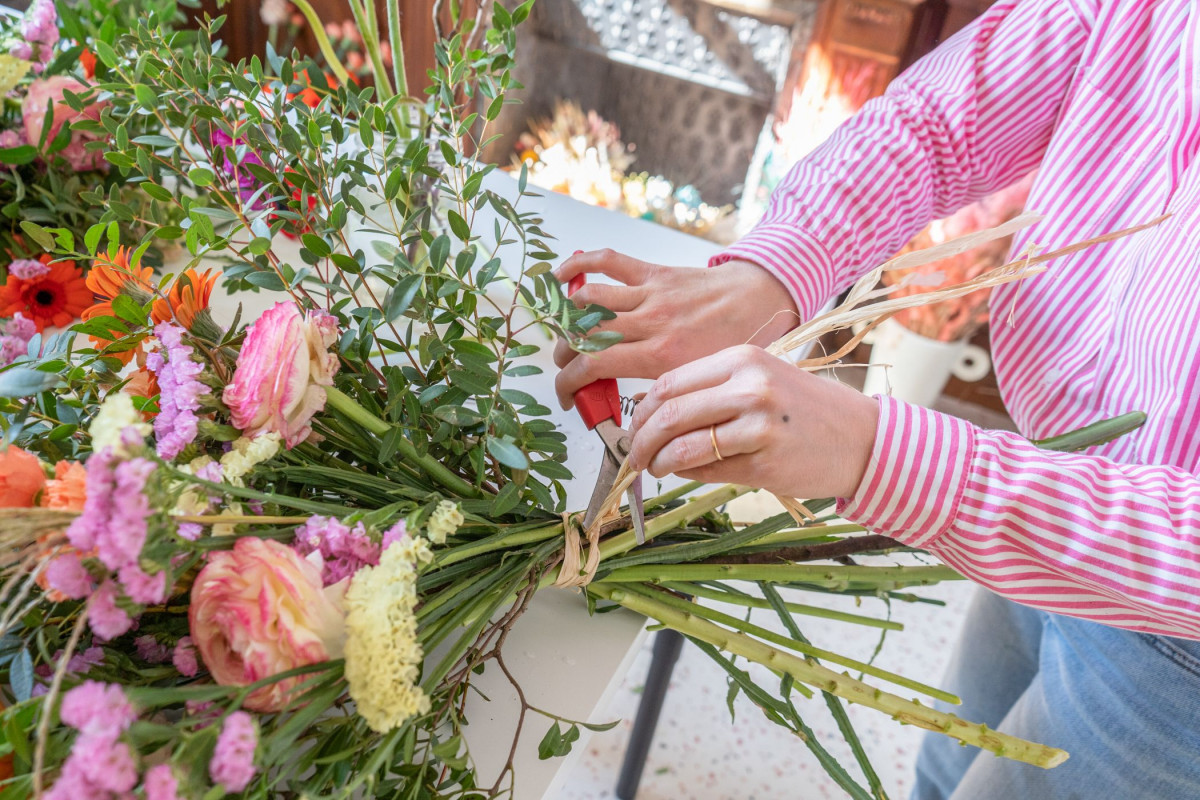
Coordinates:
(54, 299)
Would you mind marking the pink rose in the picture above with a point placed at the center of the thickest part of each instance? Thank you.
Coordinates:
(259, 610)
(281, 373)
(48, 92)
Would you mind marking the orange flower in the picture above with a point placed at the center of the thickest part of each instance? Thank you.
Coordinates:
(143, 383)
(187, 297)
(107, 278)
(55, 298)
(88, 59)
(66, 491)
(21, 478)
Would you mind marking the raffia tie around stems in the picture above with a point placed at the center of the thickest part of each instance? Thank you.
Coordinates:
(570, 575)
(853, 312)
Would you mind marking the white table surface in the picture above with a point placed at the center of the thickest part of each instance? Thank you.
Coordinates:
(566, 662)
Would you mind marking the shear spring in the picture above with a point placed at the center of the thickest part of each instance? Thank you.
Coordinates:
(628, 404)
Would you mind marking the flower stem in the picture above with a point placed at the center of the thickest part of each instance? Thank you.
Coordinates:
(344, 404)
(749, 601)
(800, 647)
(905, 711)
(832, 575)
(317, 28)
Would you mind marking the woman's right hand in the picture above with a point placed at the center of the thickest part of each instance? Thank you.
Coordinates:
(670, 316)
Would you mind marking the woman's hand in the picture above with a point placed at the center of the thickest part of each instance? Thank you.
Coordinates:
(669, 316)
(776, 426)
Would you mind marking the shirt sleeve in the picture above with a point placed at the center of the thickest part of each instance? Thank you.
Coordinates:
(1069, 533)
(966, 120)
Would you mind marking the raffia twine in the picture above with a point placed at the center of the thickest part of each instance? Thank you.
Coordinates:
(852, 313)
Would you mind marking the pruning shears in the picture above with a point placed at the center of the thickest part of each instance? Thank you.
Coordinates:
(599, 405)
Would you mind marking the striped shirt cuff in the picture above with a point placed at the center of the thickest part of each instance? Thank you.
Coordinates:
(915, 479)
(796, 258)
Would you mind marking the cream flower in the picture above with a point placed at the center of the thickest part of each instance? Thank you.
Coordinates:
(115, 415)
(193, 501)
(383, 655)
(444, 522)
(246, 454)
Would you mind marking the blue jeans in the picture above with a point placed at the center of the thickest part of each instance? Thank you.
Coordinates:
(1125, 705)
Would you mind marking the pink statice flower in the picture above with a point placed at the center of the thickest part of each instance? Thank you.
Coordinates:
(232, 765)
(14, 343)
(179, 391)
(184, 657)
(393, 534)
(160, 783)
(66, 574)
(106, 618)
(339, 549)
(39, 31)
(97, 708)
(141, 586)
(28, 268)
(106, 763)
(151, 650)
(12, 137)
(80, 662)
(84, 530)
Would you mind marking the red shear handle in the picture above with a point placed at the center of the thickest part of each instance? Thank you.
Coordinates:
(598, 400)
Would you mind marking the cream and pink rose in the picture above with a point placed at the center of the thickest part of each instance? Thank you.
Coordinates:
(258, 610)
(46, 93)
(281, 373)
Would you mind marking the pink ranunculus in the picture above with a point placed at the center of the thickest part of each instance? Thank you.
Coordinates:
(258, 610)
(281, 373)
(48, 92)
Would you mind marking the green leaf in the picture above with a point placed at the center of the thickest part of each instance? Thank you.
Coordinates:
(316, 245)
(146, 97)
(39, 234)
(127, 309)
(23, 382)
(201, 176)
(507, 453)
(401, 296)
(598, 727)
(259, 245)
(24, 154)
(439, 251)
(459, 225)
(106, 54)
(20, 675)
(457, 415)
(506, 500)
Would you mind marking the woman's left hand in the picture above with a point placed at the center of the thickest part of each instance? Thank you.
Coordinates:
(776, 427)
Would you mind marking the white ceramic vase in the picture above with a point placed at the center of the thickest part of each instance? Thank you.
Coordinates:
(914, 368)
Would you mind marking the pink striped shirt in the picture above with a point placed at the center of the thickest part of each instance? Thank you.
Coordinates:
(1102, 95)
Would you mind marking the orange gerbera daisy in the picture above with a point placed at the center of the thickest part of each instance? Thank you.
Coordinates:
(107, 278)
(187, 297)
(56, 298)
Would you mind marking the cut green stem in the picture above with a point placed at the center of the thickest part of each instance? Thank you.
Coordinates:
(748, 601)
(906, 711)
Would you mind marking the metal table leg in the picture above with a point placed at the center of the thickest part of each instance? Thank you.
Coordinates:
(667, 646)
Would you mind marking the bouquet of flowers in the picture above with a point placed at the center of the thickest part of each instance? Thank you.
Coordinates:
(267, 557)
(53, 173)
